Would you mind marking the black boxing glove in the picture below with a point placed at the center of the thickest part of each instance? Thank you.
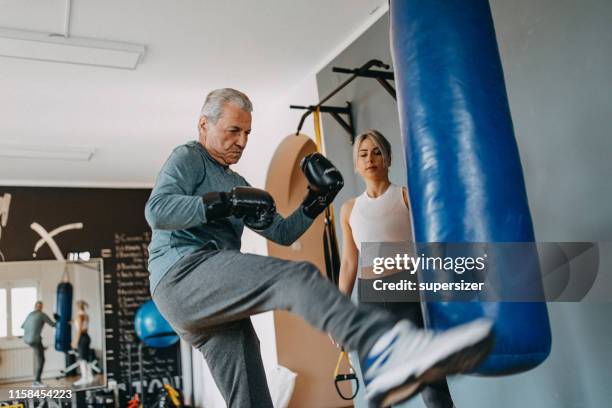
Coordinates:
(255, 206)
(324, 183)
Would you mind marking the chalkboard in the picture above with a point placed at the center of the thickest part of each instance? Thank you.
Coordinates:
(109, 224)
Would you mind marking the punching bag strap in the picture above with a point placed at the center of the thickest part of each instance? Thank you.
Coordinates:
(66, 274)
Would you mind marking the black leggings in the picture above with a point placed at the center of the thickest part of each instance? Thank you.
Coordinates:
(83, 346)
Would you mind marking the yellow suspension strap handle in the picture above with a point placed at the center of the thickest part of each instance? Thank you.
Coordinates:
(350, 376)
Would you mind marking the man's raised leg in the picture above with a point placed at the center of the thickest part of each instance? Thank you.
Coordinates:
(211, 288)
(223, 286)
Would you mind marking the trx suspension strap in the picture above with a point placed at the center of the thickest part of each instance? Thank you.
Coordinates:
(350, 376)
(330, 242)
(317, 128)
(332, 266)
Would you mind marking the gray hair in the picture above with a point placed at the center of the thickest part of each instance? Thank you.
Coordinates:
(213, 106)
(379, 141)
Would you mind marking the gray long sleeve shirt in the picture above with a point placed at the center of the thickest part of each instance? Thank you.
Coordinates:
(33, 325)
(177, 215)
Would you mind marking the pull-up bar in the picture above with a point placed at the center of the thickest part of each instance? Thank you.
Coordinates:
(364, 71)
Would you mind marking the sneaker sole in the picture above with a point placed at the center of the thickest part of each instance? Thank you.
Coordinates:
(459, 362)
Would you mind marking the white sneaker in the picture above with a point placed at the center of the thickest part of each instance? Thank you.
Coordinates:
(37, 384)
(404, 359)
(89, 374)
(86, 376)
(81, 381)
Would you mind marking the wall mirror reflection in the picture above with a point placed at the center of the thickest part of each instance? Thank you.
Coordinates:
(52, 324)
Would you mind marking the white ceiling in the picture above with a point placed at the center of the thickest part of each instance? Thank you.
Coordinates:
(134, 117)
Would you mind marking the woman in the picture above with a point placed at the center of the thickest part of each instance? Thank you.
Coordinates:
(82, 342)
(380, 214)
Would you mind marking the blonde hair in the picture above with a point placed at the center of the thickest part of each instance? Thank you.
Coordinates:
(379, 141)
(82, 304)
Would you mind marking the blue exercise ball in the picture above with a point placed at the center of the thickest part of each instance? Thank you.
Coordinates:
(152, 328)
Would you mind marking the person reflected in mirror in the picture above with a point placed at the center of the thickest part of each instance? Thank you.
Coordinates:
(82, 343)
(32, 329)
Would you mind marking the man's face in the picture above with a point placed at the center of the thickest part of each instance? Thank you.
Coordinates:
(39, 306)
(226, 139)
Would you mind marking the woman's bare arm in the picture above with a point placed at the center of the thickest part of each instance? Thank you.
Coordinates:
(350, 252)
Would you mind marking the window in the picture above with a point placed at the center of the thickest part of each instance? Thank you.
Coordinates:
(3, 313)
(17, 300)
(22, 303)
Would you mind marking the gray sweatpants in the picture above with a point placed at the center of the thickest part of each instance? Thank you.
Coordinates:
(208, 297)
(39, 359)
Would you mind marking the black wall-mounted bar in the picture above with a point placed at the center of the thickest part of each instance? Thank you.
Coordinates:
(335, 112)
(364, 71)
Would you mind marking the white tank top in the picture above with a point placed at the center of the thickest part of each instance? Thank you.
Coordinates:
(382, 219)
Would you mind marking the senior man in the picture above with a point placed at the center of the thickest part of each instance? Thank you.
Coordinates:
(207, 289)
(32, 330)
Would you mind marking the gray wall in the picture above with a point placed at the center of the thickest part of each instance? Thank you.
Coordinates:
(373, 108)
(557, 58)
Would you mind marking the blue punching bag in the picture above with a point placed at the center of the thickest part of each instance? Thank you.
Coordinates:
(464, 171)
(63, 307)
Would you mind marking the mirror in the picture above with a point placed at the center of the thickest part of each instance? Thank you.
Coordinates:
(52, 325)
